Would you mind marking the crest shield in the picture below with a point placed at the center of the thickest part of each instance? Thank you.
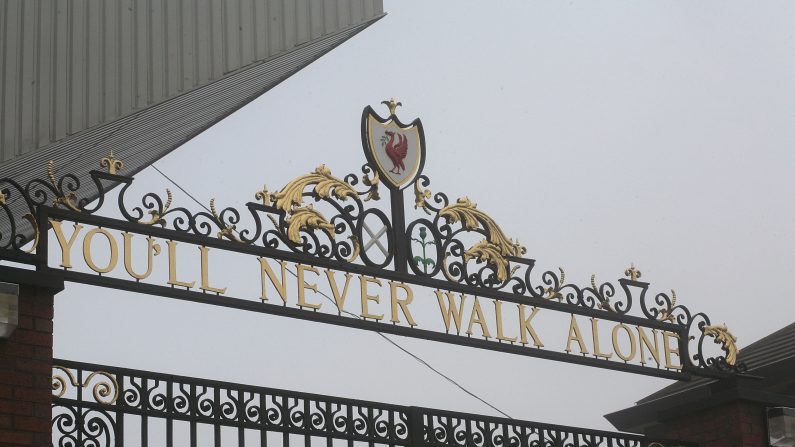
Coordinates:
(395, 149)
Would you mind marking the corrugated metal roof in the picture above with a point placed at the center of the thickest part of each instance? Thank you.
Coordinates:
(774, 348)
(144, 136)
(68, 66)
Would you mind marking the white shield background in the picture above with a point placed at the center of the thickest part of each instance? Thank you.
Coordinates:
(376, 131)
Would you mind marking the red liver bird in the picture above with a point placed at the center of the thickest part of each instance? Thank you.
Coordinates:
(397, 152)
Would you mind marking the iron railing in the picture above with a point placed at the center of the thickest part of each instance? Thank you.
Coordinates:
(103, 406)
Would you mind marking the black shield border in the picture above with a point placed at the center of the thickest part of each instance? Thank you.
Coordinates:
(368, 151)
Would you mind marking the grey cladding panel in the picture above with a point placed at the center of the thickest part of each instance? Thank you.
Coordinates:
(69, 66)
(147, 135)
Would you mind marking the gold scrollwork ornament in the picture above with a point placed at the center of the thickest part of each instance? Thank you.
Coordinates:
(67, 200)
(604, 302)
(61, 382)
(372, 182)
(668, 314)
(226, 231)
(721, 334)
(496, 248)
(105, 391)
(553, 293)
(421, 197)
(156, 215)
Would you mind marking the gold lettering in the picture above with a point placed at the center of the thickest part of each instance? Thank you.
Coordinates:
(114, 250)
(577, 336)
(205, 275)
(644, 341)
(595, 331)
(364, 281)
(498, 312)
(335, 291)
(451, 310)
(669, 350)
(477, 318)
(525, 327)
(303, 285)
(267, 272)
(617, 346)
(172, 267)
(66, 246)
(404, 304)
(153, 249)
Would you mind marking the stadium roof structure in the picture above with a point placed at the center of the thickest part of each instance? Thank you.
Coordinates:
(78, 79)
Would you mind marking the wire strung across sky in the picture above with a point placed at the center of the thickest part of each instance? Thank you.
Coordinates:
(389, 340)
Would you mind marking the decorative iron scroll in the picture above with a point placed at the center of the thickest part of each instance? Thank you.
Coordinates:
(82, 419)
(323, 216)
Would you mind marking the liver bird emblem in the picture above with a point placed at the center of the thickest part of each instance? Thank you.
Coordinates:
(396, 151)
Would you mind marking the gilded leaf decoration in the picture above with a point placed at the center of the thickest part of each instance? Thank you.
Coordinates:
(721, 334)
(326, 185)
(467, 212)
(497, 246)
(488, 252)
(307, 218)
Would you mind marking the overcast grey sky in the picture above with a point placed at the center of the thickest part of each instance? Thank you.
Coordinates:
(598, 133)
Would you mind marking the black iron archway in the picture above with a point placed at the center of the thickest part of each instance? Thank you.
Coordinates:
(317, 225)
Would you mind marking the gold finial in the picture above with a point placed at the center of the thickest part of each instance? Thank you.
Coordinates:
(264, 195)
(632, 272)
(111, 163)
(392, 104)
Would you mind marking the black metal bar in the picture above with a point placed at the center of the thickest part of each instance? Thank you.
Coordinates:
(241, 410)
(80, 420)
(119, 412)
(169, 410)
(349, 426)
(415, 425)
(399, 230)
(216, 411)
(144, 407)
(192, 411)
(307, 424)
(263, 434)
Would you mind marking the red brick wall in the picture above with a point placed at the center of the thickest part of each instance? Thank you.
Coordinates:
(26, 371)
(737, 424)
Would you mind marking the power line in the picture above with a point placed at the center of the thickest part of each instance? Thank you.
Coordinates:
(389, 340)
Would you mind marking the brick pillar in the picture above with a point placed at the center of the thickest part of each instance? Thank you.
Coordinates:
(734, 424)
(26, 362)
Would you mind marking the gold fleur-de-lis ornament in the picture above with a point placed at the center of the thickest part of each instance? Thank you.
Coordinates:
(392, 104)
(111, 163)
(633, 273)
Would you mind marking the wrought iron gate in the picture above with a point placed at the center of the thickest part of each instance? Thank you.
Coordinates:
(103, 406)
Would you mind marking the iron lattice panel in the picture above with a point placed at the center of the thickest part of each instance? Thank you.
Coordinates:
(104, 406)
